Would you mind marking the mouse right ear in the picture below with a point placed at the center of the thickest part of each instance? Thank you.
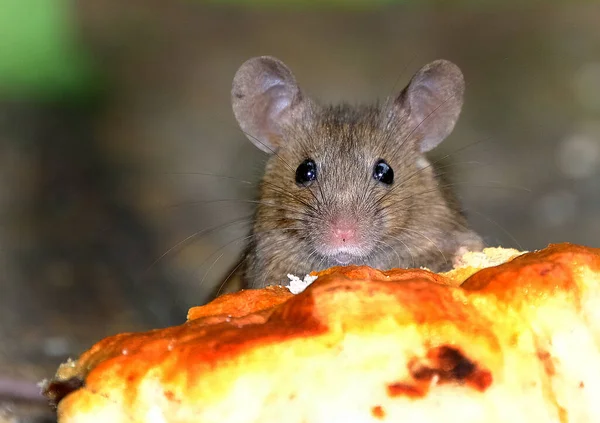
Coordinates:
(433, 100)
(265, 98)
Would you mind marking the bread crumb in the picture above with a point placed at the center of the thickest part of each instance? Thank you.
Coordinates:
(491, 256)
(298, 285)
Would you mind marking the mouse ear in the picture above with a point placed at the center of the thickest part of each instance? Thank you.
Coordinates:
(265, 98)
(433, 100)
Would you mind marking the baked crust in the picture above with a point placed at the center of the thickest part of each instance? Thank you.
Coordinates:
(516, 342)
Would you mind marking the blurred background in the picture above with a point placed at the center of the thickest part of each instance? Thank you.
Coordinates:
(117, 138)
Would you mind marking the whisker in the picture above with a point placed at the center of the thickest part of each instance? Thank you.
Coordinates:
(432, 164)
(246, 219)
(314, 252)
(213, 175)
(238, 239)
(273, 152)
(323, 258)
(392, 93)
(451, 185)
(429, 239)
(517, 243)
(489, 184)
(396, 252)
(229, 276)
(244, 238)
(290, 168)
(407, 249)
(234, 200)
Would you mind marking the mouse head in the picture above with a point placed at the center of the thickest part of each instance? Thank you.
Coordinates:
(348, 184)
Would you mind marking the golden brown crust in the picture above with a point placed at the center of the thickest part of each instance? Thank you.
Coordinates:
(240, 303)
(426, 330)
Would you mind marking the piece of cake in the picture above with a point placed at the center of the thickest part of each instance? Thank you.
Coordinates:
(515, 342)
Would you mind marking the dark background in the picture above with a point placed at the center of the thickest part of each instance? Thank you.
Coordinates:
(107, 108)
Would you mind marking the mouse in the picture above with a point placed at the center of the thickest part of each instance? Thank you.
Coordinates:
(350, 184)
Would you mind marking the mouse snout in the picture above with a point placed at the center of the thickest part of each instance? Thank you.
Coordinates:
(343, 242)
(342, 239)
(343, 233)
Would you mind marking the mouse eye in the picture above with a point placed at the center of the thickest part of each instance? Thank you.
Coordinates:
(382, 172)
(306, 172)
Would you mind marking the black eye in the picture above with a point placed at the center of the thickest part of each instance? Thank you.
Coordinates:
(382, 172)
(306, 172)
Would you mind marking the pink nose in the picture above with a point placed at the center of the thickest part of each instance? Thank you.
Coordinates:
(343, 232)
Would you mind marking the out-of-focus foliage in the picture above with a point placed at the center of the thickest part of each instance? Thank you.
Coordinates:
(39, 53)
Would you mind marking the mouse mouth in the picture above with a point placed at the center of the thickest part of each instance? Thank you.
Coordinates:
(343, 258)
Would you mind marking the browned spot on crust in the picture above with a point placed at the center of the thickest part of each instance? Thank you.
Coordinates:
(57, 390)
(581, 385)
(378, 412)
(443, 365)
(546, 360)
(405, 389)
(449, 364)
(481, 380)
(171, 397)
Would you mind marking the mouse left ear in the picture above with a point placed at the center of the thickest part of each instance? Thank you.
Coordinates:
(432, 101)
(265, 99)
